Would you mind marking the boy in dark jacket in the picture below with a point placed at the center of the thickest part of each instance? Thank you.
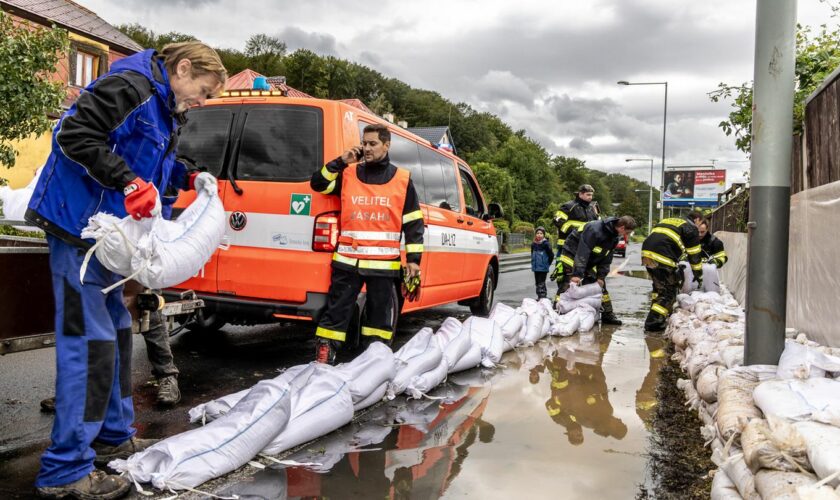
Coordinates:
(541, 257)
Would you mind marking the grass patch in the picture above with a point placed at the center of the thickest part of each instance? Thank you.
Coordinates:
(678, 463)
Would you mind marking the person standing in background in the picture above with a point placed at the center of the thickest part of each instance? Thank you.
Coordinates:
(541, 257)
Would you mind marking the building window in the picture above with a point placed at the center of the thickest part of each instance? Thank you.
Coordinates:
(87, 68)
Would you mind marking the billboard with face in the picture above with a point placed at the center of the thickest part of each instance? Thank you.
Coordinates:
(693, 187)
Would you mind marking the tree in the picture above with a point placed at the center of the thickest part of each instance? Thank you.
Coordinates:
(816, 57)
(28, 57)
(149, 39)
(496, 184)
(265, 54)
(306, 71)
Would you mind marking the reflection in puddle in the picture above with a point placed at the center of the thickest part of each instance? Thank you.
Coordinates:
(466, 442)
(579, 393)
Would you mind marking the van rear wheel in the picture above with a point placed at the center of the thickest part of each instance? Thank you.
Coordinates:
(482, 304)
(206, 320)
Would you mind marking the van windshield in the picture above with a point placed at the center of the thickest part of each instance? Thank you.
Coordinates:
(281, 143)
(205, 138)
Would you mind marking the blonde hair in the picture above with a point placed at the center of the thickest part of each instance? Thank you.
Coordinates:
(203, 58)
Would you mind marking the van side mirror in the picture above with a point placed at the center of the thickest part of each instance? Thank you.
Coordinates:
(494, 211)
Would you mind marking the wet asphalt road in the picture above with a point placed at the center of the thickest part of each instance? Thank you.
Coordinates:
(563, 419)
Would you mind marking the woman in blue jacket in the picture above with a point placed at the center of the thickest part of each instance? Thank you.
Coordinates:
(541, 258)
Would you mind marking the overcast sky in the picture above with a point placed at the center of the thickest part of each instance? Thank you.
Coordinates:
(549, 67)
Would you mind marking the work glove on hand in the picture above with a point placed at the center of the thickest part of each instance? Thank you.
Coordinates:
(410, 286)
(203, 181)
(141, 199)
(556, 273)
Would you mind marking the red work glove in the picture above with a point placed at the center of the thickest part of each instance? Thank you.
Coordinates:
(141, 199)
(191, 182)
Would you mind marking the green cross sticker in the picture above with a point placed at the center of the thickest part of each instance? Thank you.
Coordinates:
(301, 204)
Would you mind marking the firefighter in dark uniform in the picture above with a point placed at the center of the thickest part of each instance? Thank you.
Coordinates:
(661, 251)
(571, 216)
(587, 255)
(711, 246)
(378, 202)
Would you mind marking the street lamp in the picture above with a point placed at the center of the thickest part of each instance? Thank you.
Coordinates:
(664, 120)
(650, 191)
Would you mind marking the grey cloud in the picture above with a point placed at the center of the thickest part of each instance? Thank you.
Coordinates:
(320, 43)
(580, 144)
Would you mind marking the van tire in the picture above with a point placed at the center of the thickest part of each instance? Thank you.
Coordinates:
(206, 320)
(482, 304)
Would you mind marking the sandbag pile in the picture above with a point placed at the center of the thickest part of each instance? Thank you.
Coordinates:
(774, 430)
(309, 401)
(15, 201)
(156, 252)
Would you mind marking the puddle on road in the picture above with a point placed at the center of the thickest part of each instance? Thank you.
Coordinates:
(564, 419)
(635, 273)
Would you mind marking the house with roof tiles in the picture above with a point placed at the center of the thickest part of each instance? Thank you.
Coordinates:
(94, 46)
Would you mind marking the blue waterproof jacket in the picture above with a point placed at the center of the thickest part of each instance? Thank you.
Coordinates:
(541, 256)
(99, 152)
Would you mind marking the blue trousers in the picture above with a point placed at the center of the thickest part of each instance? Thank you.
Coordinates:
(93, 366)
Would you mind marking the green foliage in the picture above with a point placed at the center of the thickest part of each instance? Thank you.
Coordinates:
(523, 227)
(149, 39)
(817, 55)
(28, 57)
(535, 183)
(502, 226)
(496, 184)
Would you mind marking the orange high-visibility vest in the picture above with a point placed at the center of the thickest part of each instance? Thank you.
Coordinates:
(371, 216)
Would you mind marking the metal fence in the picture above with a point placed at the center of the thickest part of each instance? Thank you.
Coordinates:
(511, 241)
(733, 215)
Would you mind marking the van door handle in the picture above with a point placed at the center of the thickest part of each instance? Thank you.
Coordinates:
(469, 223)
(460, 221)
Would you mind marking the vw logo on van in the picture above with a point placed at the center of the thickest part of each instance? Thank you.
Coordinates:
(238, 220)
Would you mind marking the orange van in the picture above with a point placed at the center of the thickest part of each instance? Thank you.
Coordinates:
(263, 147)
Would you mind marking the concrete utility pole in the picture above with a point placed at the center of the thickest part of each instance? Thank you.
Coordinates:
(772, 129)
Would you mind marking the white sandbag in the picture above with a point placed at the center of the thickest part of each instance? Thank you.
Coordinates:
(207, 412)
(565, 305)
(735, 398)
(707, 383)
(711, 280)
(740, 475)
(422, 384)
(376, 396)
(588, 317)
(509, 324)
(708, 297)
(773, 444)
(818, 492)
(813, 398)
(569, 323)
(519, 339)
(577, 292)
(448, 330)
(686, 301)
(501, 312)
(801, 361)
(419, 355)
(488, 335)
(688, 284)
(188, 459)
(546, 304)
(368, 371)
(534, 327)
(458, 345)
(823, 444)
(320, 403)
(470, 359)
(776, 485)
(160, 253)
(723, 488)
(14, 202)
(732, 356)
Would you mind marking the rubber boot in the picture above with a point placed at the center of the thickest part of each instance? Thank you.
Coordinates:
(325, 351)
(609, 318)
(95, 486)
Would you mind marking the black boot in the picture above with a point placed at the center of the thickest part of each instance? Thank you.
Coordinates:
(325, 351)
(609, 318)
(655, 322)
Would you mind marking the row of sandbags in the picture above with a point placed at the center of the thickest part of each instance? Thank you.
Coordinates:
(774, 429)
(309, 401)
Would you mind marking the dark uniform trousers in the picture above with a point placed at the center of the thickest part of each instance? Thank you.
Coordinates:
(667, 281)
(157, 347)
(566, 279)
(345, 286)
